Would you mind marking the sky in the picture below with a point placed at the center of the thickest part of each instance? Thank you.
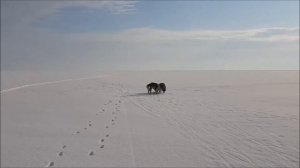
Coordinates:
(149, 35)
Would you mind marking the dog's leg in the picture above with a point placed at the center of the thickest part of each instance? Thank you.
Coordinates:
(149, 89)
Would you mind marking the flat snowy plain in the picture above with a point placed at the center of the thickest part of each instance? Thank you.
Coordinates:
(205, 119)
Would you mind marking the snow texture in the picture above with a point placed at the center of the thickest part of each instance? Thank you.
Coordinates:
(205, 119)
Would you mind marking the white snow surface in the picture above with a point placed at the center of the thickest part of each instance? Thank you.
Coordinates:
(205, 119)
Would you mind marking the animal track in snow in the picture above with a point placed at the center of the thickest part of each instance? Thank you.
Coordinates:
(77, 132)
(91, 153)
(50, 164)
(64, 146)
(60, 154)
(102, 146)
(107, 135)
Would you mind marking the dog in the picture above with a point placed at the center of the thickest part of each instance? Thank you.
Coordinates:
(153, 86)
(162, 87)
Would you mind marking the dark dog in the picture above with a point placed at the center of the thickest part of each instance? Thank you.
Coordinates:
(153, 86)
(162, 87)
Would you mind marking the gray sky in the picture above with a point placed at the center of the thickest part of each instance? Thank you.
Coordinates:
(148, 35)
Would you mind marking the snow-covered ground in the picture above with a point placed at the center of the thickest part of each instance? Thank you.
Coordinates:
(205, 119)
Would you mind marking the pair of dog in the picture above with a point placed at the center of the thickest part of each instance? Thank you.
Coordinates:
(156, 87)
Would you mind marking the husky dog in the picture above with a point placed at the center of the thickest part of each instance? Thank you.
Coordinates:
(153, 86)
(162, 87)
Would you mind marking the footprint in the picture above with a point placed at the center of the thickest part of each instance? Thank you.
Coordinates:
(90, 124)
(102, 140)
(91, 153)
(64, 146)
(107, 135)
(77, 132)
(50, 164)
(106, 127)
(102, 146)
(60, 154)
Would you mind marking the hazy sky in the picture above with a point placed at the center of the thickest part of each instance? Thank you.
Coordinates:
(148, 35)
